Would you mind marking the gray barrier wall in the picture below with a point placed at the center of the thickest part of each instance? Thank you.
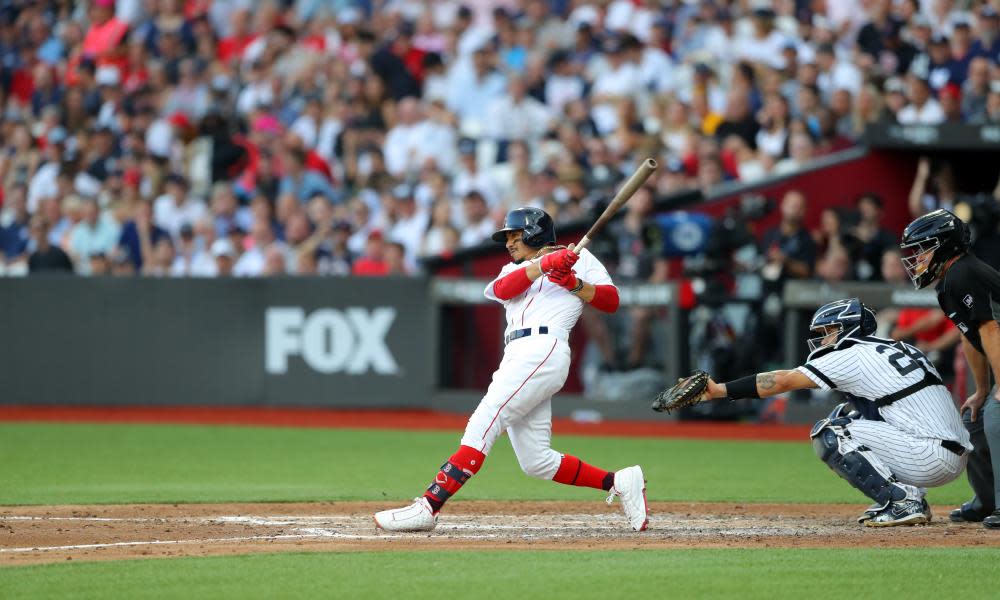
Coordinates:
(284, 341)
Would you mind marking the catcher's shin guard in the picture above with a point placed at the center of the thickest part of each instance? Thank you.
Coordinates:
(858, 466)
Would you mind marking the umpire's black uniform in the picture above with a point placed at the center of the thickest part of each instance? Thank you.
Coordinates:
(969, 293)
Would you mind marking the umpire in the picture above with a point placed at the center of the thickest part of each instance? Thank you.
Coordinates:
(936, 249)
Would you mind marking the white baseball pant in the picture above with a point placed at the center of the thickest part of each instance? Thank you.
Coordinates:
(519, 401)
(917, 463)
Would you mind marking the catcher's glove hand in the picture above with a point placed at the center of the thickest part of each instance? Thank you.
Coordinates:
(687, 391)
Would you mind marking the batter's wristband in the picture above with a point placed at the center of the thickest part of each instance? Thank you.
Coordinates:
(744, 387)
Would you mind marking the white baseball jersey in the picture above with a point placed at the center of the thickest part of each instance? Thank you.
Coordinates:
(545, 303)
(873, 368)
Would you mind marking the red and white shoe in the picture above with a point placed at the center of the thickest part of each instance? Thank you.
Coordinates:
(630, 486)
(416, 517)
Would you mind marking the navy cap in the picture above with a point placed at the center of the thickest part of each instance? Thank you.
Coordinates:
(467, 146)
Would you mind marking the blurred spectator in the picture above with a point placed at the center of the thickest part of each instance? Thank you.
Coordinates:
(139, 236)
(46, 258)
(406, 147)
(834, 265)
(191, 259)
(411, 222)
(174, 207)
(121, 264)
(950, 97)
(98, 265)
(833, 244)
(992, 104)
(790, 250)
(301, 182)
(942, 193)
(517, 116)
(14, 230)
(975, 89)
(738, 120)
(395, 259)
(873, 237)
(921, 106)
(336, 258)
(225, 257)
(434, 240)
(478, 225)
(473, 87)
(469, 177)
(373, 261)
(800, 152)
(161, 261)
(252, 262)
(94, 234)
(987, 42)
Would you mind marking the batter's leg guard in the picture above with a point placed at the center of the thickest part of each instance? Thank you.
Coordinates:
(855, 462)
(453, 474)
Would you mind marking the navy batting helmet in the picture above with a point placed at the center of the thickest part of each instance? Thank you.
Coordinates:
(851, 318)
(929, 242)
(536, 224)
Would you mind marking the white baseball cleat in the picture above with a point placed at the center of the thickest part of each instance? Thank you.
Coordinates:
(416, 517)
(630, 486)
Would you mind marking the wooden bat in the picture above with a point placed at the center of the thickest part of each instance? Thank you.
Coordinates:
(624, 193)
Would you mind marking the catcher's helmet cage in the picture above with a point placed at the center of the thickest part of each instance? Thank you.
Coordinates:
(929, 242)
(537, 225)
(853, 318)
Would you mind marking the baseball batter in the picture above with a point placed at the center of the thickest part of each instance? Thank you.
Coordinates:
(543, 291)
(906, 434)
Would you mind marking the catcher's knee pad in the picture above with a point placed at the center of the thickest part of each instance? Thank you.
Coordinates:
(857, 466)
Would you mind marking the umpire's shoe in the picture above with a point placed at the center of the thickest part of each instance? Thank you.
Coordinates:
(992, 521)
(967, 514)
(630, 486)
(903, 512)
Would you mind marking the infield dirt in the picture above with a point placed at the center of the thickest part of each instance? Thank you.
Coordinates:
(39, 534)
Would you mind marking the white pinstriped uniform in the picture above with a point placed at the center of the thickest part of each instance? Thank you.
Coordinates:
(908, 440)
(519, 399)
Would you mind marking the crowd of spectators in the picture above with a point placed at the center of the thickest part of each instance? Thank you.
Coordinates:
(234, 137)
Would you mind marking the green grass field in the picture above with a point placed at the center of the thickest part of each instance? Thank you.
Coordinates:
(94, 464)
(80, 464)
(745, 574)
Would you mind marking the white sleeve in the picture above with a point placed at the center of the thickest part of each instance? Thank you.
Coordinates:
(838, 369)
(508, 268)
(591, 270)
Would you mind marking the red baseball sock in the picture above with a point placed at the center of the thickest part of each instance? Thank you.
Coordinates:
(573, 471)
(453, 474)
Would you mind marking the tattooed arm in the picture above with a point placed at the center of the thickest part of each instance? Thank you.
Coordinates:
(770, 383)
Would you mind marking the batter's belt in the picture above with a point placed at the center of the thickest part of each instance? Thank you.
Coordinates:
(517, 334)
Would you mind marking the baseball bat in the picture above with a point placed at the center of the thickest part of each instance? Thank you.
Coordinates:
(624, 193)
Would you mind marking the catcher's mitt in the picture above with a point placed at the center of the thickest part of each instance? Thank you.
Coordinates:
(687, 391)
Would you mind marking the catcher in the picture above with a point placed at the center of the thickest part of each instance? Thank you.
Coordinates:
(905, 434)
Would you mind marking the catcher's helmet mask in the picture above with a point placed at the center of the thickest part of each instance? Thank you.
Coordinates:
(929, 242)
(536, 225)
(851, 318)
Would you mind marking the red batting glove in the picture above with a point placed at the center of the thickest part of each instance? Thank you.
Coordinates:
(569, 259)
(564, 279)
(552, 261)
